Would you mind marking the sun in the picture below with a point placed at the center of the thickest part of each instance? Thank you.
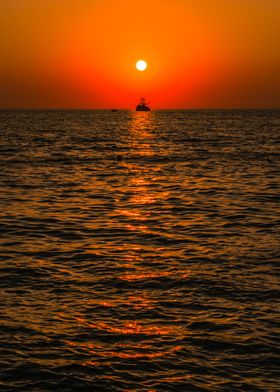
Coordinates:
(141, 65)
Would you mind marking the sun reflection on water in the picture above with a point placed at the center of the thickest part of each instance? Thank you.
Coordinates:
(136, 211)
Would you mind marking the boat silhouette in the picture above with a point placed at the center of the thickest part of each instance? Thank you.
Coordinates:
(142, 106)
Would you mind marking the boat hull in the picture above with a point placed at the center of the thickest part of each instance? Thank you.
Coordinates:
(142, 108)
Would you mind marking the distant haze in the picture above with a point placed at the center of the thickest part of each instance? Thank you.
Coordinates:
(82, 54)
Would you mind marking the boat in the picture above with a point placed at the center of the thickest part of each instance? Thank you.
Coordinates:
(142, 106)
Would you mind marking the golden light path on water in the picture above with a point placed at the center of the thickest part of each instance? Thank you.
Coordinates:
(139, 209)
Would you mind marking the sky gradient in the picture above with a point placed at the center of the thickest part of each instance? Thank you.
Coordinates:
(82, 54)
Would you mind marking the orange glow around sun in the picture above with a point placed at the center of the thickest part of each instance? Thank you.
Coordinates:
(199, 53)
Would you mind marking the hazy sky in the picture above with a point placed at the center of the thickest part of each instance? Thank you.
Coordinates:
(82, 54)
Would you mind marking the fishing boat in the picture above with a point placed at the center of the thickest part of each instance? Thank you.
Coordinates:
(142, 106)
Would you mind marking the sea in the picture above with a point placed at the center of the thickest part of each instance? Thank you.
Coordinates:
(139, 251)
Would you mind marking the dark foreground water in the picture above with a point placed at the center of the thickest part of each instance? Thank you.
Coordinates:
(139, 251)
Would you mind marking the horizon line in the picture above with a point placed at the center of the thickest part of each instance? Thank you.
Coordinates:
(132, 110)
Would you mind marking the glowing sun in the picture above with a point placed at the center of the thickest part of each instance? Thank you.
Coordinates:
(141, 65)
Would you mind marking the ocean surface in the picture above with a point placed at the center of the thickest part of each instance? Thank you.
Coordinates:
(139, 251)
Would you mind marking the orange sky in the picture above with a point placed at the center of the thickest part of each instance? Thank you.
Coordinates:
(82, 54)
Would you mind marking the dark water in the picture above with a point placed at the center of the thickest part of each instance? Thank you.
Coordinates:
(139, 251)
